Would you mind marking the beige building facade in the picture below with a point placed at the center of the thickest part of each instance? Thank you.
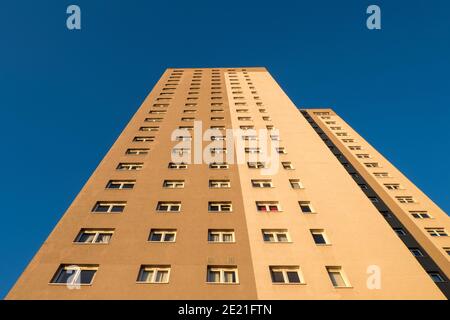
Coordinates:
(295, 225)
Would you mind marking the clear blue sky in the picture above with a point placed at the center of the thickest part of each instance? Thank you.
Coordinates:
(65, 96)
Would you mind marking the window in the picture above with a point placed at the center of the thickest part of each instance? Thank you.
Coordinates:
(348, 140)
(266, 118)
(296, 184)
(285, 274)
(216, 165)
(287, 165)
(187, 119)
(247, 127)
(173, 184)
(371, 164)
(173, 165)
(224, 206)
(400, 231)
(241, 110)
(144, 139)
(341, 134)
(275, 137)
(250, 138)
(168, 206)
(363, 155)
(218, 138)
(405, 199)
(153, 119)
(188, 128)
(437, 232)
(268, 206)
(244, 118)
(355, 147)
(447, 250)
(222, 275)
(262, 183)
(416, 252)
(217, 184)
(252, 150)
(420, 214)
(162, 235)
(154, 274)
(148, 128)
(281, 150)
(305, 207)
(278, 235)
(157, 112)
(381, 174)
(392, 186)
(109, 207)
(121, 184)
(181, 151)
(220, 235)
(256, 165)
(337, 277)
(218, 150)
(130, 166)
(436, 277)
(75, 274)
(137, 151)
(189, 111)
(183, 138)
(319, 236)
(94, 236)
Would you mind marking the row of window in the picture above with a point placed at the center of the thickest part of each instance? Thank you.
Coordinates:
(103, 236)
(213, 206)
(215, 184)
(84, 275)
(130, 166)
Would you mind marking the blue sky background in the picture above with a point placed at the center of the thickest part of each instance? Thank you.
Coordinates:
(66, 95)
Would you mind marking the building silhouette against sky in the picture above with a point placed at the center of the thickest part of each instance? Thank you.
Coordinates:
(326, 217)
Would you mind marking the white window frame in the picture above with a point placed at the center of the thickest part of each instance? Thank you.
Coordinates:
(137, 151)
(268, 205)
(296, 182)
(222, 271)
(155, 269)
(219, 184)
(110, 205)
(127, 166)
(284, 270)
(262, 183)
(220, 206)
(173, 184)
(163, 233)
(169, 205)
(275, 233)
(96, 233)
(177, 166)
(437, 232)
(121, 183)
(217, 165)
(75, 278)
(221, 233)
(340, 271)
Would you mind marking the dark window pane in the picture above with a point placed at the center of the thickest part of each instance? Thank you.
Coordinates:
(155, 237)
(114, 185)
(101, 208)
(86, 276)
(318, 238)
(128, 186)
(305, 208)
(277, 277)
(86, 237)
(64, 276)
(169, 237)
(117, 208)
(293, 277)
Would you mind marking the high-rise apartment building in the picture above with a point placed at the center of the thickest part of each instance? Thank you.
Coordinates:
(176, 214)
